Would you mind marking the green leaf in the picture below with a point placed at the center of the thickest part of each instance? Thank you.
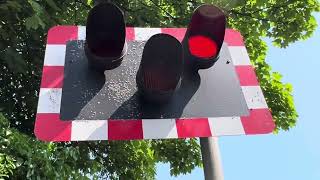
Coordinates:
(53, 5)
(14, 61)
(90, 2)
(14, 5)
(35, 6)
(32, 22)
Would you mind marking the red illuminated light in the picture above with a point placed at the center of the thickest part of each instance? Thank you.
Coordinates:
(202, 47)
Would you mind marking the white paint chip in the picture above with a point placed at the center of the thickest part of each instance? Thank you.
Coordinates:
(84, 130)
(55, 55)
(239, 55)
(221, 126)
(81, 32)
(159, 128)
(143, 34)
(49, 100)
(254, 97)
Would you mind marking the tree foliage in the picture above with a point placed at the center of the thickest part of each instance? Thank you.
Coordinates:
(23, 27)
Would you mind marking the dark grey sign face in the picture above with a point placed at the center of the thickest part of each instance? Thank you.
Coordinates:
(88, 95)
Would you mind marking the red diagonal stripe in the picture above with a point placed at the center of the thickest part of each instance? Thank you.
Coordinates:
(62, 34)
(193, 127)
(247, 76)
(49, 127)
(130, 34)
(52, 77)
(233, 38)
(175, 32)
(258, 122)
(125, 129)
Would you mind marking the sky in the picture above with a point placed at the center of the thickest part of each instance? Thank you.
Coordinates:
(289, 155)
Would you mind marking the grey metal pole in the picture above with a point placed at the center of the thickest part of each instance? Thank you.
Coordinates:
(211, 158)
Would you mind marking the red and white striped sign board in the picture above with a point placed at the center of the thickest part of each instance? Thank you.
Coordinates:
(49, 127)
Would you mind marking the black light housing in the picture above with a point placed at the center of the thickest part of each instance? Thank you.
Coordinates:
(105, 37)
(160, 70)
(204, 37)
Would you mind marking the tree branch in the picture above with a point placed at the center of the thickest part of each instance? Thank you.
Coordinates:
(274, 7)
(248, 15)
(84, 4)
(96, 153)
(159, 6)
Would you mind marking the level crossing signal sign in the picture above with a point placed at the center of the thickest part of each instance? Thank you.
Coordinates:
(104, 82)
